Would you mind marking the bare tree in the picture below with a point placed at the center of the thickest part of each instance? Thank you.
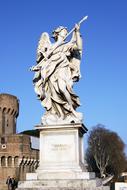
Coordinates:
(105, 151)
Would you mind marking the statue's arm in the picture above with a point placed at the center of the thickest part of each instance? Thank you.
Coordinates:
(77, 39)
(38, 65)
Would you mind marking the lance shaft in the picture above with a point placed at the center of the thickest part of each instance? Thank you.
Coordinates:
(79, 23)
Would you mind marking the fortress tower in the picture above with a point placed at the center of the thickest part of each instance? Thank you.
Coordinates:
(17, 153)
(9, 110)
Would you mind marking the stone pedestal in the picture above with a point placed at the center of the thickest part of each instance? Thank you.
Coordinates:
(61, 152)
(61, 160)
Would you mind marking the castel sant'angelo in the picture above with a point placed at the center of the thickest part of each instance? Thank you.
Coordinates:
(16, 153)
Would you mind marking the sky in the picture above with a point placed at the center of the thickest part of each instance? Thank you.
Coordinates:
(103, 86)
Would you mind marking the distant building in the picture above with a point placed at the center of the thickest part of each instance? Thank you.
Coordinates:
(124, 175)
(18, 152)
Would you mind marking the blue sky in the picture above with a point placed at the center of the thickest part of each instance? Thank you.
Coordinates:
(103, 87)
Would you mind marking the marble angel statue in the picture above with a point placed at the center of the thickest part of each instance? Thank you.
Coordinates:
(57, 69)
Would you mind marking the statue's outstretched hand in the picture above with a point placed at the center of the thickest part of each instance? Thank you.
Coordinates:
(34, 68)
(77, 27)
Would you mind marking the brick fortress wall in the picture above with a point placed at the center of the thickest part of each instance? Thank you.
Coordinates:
(16, 155)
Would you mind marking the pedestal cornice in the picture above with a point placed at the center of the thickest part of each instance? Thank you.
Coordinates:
(69, 126)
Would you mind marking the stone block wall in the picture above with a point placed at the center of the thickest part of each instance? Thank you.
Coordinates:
(17, 158)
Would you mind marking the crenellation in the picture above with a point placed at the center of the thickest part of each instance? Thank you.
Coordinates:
(9, 106)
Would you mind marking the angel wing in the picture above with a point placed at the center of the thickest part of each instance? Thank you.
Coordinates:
(43, 46)
(44, 43)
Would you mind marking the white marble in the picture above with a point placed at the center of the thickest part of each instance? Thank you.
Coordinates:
(120, 186)
(62, 153)
(56, 71)
(61, 149)
(66, 184)
(31, 176)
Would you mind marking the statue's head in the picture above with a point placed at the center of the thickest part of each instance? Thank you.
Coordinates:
(60, 31)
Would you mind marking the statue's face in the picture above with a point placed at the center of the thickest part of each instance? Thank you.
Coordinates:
(59, 32)
(63, 32)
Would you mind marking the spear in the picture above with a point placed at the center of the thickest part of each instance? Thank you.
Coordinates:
(79, 23)
(34, 68)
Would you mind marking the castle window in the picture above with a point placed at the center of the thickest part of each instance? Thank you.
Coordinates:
(9, 161)
(3, 161)
(2, 140)
(16, 159)
(4, 110)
